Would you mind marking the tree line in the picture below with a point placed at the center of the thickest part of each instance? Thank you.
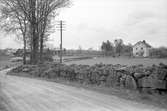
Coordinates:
(160, 52)
(31, 21)
(116, 48)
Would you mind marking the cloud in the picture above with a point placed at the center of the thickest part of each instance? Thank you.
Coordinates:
(139, 18)
(148, 25)
(89, 22)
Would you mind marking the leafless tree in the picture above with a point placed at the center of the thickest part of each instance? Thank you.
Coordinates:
(14, 21)
(38, 13)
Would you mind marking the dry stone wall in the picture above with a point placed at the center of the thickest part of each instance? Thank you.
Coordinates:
(134, 77)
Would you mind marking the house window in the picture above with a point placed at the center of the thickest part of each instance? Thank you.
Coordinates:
(142, 48)
(136, 53)
(136, 48)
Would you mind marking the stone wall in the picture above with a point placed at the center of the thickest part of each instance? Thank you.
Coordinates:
(138, 77)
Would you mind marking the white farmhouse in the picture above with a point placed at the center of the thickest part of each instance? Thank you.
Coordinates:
(141, 49)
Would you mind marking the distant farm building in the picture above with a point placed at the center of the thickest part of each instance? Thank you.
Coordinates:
(141, 49)
(9, 51)
(57, 51)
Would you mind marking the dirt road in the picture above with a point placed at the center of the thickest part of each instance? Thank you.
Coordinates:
(25, 94)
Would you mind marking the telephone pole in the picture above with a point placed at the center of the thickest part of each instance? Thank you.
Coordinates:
(61, 29)
(61, 41)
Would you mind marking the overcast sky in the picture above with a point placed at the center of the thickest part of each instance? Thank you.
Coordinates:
(90, 22)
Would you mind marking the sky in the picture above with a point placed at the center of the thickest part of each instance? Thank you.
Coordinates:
(90, 22)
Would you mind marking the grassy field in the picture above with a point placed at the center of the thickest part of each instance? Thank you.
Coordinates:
(121, 60)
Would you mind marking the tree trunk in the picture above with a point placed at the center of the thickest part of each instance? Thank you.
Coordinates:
(35, 46)
(24, 55)
(35, 37)
(42, 28)
(41, 48)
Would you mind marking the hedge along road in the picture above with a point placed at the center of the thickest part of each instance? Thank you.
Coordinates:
(25, 94)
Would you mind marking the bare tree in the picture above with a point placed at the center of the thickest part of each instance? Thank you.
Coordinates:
(14, 21)
(107, 47)
(118, 46)
(38, 13)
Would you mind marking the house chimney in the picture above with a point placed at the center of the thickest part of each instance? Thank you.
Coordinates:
(144, 41)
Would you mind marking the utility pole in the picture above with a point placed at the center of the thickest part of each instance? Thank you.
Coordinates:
(61, 41)
(61, 29)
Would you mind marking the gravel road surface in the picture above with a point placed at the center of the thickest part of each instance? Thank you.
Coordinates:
(26, 94)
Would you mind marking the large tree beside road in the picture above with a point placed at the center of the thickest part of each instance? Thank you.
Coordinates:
(31, 17)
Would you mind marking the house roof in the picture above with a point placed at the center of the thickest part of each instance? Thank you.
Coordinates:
(143, 42)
